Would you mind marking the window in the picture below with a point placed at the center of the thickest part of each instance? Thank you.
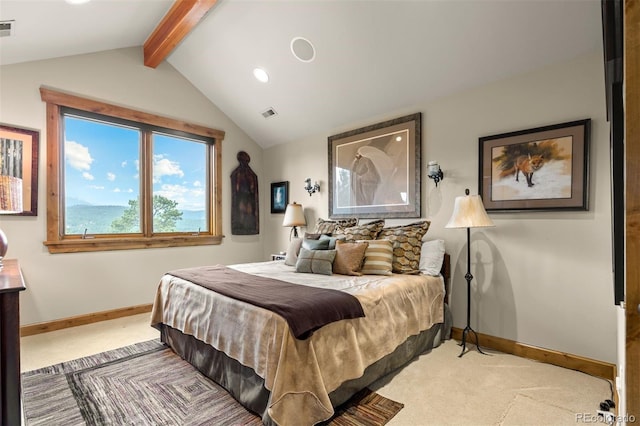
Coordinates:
(124, 179)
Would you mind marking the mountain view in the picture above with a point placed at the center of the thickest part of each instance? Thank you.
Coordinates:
(97, 219)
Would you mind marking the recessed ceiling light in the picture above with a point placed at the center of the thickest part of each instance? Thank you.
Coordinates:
(261, 75)
(77, 1)
(303, 49)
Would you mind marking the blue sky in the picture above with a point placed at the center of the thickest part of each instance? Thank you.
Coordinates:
(102, 168)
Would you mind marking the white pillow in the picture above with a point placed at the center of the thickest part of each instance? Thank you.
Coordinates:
(292, 252)
(431, 257)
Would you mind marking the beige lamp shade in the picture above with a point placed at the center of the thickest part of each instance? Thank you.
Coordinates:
(10, 194)
(293, 215)
(469, 212)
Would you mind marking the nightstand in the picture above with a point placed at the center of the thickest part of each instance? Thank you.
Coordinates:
(278, 256)
(11, 283)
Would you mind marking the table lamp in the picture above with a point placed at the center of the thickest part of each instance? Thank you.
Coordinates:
(294, 216)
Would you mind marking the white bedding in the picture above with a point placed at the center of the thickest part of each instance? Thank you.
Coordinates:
(301, 373)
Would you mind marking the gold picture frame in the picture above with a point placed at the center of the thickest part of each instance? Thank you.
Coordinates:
(22, 146)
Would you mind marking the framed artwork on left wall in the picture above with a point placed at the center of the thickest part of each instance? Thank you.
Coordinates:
(19, 160)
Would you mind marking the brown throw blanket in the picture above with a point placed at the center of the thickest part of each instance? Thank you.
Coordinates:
(304, 308)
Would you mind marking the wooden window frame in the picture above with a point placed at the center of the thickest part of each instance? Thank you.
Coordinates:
(58, 242)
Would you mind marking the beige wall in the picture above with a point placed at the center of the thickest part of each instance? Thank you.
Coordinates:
(540, 278)
(63, 285)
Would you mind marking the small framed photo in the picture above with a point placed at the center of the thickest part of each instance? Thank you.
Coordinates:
(279, 196)
(545, 168)
(19, 166)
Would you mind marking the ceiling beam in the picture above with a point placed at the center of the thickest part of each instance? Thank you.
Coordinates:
(183, 16)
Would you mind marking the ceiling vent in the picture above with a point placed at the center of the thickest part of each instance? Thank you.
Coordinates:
(7, 28)
(269, 113)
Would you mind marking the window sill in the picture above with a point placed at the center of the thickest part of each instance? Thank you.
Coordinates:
(105, 244)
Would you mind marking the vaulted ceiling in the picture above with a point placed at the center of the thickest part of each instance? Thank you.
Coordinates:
(371, 57)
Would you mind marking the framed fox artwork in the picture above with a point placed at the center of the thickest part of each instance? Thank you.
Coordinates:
(545, 168)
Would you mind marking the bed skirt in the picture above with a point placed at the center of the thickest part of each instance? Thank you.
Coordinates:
(248, 388)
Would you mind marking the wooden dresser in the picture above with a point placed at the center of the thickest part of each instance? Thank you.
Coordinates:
(11, 283)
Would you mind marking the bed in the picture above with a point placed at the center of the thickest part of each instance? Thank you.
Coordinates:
(252, 352)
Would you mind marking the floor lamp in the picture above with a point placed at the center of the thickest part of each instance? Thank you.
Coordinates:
(469, 212)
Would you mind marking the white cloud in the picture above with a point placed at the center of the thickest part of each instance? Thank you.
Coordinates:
(77, 155)
(197, 184)
(197, 193)
(87, 176)
(111, 176)
(123, 164)
(96, 187)
(165, 167)
(172, 191)
(128, 191)
(187, 198)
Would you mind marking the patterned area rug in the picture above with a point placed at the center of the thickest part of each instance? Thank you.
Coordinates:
(148, 384)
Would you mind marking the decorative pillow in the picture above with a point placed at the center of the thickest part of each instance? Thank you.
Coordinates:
(315, 261)
(431, 257)
(332, 240)
(315, 244)
(407, 244)
(292, 252)
(349, 257)
(309, 236)
(378, 258)
(328, 226)
(368, 231)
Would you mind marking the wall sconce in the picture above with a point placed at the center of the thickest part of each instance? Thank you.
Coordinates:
(434, 172)
(311, 188)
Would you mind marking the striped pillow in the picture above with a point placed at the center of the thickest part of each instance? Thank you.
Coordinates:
(378, 258)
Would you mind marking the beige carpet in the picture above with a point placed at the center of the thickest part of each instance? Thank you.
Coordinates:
(493, 389)
(436, 389)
